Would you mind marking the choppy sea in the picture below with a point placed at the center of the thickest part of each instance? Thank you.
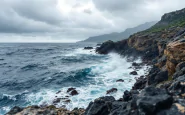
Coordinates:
(32, 73)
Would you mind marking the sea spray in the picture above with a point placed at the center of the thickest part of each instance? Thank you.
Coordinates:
(59, 67)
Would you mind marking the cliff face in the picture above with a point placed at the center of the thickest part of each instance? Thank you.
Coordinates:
(175, 53)
(163, 40)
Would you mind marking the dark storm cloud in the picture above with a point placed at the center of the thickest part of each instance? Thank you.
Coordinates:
(118, 5)
(25, 16)
(76, 19)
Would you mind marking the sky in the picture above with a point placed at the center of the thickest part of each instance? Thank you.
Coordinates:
(75, 20)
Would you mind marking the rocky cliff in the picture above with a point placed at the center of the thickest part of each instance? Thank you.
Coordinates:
(162, 91)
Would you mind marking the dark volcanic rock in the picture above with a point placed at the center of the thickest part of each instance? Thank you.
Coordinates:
(113, 90)
(88, 48)
(14, 110)
(178, 86)
(127, 96)
(58, 92)
(180, 66)
(161, 76)
(57, 100)
(140, 83)
(179, 73)
(100, 106)
(120, 80)
(72, 91)
(67, 101)
(133, 73)
(176, 109)
(153, 100)
(106, 47)
(156, 76)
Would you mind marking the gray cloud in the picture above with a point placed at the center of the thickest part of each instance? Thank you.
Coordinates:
(88, 11)
(118, 5)
(21, 16)
(76, 20)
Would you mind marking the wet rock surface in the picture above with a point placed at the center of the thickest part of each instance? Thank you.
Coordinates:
(140, 83)
(133, 73)
(88, 48)
(120, 80)
(101, 106)
(72, 91)
(113, 90)
(149, 102)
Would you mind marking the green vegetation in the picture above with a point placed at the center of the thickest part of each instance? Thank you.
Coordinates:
(168, 21)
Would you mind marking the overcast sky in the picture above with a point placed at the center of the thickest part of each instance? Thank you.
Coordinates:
(74, 20)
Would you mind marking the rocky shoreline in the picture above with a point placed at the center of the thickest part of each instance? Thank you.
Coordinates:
(161, 92)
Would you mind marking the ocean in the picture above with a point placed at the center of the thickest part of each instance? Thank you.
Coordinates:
(32, 73)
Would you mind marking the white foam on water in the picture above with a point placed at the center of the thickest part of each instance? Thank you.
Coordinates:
(107, 73)
(79, 51)
(4, 109)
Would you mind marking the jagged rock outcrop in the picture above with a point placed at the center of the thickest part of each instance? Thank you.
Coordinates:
(149, 102)
(175, 53)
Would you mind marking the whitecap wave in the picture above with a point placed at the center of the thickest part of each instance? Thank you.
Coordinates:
(80, 51)
(112, 68)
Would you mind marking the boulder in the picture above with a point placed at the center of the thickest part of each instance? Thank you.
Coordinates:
(88, 48)
(153, 100)
(106, 47)
(140, 83)
(135, 64)
(113, 90)
(101, 106)
(127, 96)
(152, 73)
(67, 101)
(157, 76)
(57, 100)
(120, 80)
(161, 76)
(133, 73)
(72, 91)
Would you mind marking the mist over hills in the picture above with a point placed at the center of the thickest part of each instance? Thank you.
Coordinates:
(122, 35)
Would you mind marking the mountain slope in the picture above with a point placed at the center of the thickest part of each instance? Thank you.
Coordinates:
(119, 36)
